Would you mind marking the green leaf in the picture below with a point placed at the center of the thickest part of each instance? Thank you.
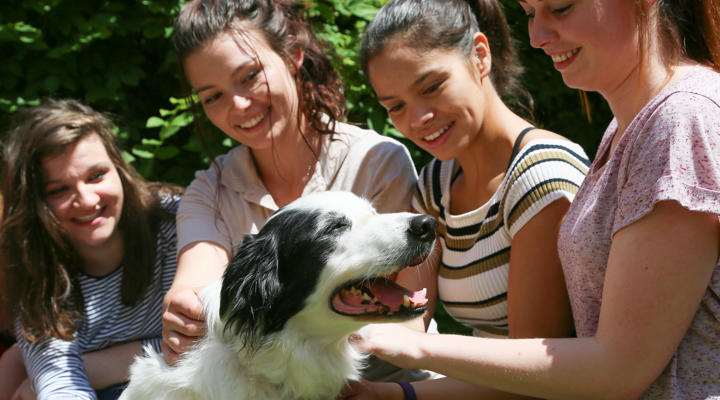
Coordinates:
(154, 122)
(142, 153)
(168, 131)
(167, 152)
(364, 10)
(182, 120)
(129, 158)
(151, 142)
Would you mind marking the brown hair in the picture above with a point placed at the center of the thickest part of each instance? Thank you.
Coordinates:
(687, 28)
(450, 25)
(281, 24)
(38, 262)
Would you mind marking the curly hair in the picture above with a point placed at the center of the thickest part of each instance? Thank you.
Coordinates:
(281, 24)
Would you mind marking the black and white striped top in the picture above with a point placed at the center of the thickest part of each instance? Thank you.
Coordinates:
(473, 272)
(55, 366)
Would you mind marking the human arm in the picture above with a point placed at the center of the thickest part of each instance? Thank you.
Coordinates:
(12, 372)
(654, 284)
(55, 368)
(203, 243)
(183, 319)
(110, 366)
(104, 368)
(442, 388)
(539, 308)
(538, 304)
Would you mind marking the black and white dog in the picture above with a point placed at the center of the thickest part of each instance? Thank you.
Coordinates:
(278, 321)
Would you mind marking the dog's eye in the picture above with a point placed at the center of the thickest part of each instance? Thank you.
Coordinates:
(338, 225)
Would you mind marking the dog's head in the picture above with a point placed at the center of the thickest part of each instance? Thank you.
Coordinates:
(329, 255)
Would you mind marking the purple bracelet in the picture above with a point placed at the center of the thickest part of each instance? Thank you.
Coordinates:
(408, 390)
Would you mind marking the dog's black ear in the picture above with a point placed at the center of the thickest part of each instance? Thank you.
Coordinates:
(250, 287)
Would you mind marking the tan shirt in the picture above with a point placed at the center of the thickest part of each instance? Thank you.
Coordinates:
(354, 159)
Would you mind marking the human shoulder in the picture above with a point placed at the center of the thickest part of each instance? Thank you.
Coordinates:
(168, 196)
(366, 148)
(547, 167)
(696, 94)
(540, 146)
(681, 114)
(701, 80)
(538, 133)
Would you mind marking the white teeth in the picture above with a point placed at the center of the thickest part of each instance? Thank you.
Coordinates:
(254, 121)
(436, 135)
(562, 57)
(89, 217)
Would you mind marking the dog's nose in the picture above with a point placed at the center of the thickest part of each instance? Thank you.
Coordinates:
(423, 227)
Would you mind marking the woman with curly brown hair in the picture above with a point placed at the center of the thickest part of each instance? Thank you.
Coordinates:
(261, 77)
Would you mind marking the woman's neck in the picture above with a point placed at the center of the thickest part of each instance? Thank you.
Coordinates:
(102, 260)
(286, 167)
(638, 89)
(484, 161)
(488, 154)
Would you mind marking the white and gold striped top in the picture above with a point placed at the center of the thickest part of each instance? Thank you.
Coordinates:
(473, 271)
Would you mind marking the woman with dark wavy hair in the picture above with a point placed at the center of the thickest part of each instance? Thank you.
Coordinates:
(87, 245)
(448, 76)
(261, 77)
(640, 244)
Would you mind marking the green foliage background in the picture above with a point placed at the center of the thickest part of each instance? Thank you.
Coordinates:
(115, 55)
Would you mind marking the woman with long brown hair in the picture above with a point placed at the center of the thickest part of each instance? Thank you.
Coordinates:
(261, 76)
(88, 246)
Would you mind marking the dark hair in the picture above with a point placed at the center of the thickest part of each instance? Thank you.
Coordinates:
(451, 25)
(281, 24)
(38, 261)
(689, 28)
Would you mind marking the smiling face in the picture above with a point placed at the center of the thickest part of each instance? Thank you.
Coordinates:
(84, 192)
(434, 97)
(593, 43)
(249, 93)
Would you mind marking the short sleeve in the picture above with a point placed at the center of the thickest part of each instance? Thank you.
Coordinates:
(198, 216)
(386, 177)
(543, 172)
(674, 156)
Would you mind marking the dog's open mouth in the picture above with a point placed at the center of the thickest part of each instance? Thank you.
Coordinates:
(378, 297)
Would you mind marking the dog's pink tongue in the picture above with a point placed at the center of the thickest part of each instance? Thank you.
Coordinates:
(391, 294)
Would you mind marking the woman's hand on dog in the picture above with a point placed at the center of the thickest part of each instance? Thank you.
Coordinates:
(394, 343)
(366, 390)
(183, 322)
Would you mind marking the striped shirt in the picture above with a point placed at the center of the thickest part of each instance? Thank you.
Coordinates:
(55, 366)
(473, 271)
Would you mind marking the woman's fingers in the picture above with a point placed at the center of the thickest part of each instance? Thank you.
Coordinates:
(183, 323)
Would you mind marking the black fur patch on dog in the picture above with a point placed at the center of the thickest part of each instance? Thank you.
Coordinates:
(274, 271)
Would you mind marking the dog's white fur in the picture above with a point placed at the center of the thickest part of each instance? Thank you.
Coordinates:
(310, 357)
